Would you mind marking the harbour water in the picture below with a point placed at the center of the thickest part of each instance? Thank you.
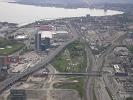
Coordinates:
(24, 14)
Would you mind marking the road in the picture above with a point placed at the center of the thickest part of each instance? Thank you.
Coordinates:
(92, 65)
(97, 65)
(50, 82)
(10, 81)
(92, 74)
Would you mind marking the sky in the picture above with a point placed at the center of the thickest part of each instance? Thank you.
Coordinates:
(110, 1)
(93, 1)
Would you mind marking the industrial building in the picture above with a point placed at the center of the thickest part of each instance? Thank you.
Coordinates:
(47, 34)
(61, 35)
(45, 27)
(119, 70)
(19, 94)
(130, 35)
(5, 65)
(5, 61)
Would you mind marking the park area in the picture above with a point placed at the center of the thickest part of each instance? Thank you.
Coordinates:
(8, 47)
(72, 60)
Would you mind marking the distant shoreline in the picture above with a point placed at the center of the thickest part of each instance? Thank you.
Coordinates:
(32, 13)
(53, 5)
(117, 7)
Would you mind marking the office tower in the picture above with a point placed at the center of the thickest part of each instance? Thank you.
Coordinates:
(45, 43)
(37, 42)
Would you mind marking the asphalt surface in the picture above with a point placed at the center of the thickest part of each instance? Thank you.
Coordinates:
(97, 65)
(92, 74)
(92, 65)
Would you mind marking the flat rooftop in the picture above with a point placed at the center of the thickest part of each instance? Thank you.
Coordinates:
(48, 34)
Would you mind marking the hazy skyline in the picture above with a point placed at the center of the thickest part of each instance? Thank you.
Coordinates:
(79, 1)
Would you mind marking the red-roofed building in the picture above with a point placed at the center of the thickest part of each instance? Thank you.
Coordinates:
(45, 27)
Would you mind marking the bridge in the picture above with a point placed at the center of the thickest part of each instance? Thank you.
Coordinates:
(92, 74)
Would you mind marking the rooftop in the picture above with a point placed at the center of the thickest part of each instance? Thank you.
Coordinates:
(48, 34)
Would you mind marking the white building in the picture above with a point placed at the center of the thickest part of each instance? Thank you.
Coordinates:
(47, 34)
(61, 35)
(21, 37)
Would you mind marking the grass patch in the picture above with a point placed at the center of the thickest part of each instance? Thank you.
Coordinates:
(130, 48)
(129, 98)
(79, 85)
(71, 59)
(8, 47)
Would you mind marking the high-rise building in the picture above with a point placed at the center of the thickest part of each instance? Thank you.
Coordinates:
(45, 43)
(38, 42)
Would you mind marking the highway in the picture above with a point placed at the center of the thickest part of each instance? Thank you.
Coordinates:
(91, 66)
(96, 63)
(10, 81)
(92, 74)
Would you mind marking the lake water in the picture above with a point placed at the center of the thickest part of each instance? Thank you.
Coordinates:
(24, 14)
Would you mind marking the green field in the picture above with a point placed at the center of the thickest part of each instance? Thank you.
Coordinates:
(8, 47)
(130, 48)
(129, 98)
(79, 85)
(72, 59)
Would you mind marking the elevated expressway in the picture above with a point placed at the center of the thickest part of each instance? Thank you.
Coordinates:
(96, 63)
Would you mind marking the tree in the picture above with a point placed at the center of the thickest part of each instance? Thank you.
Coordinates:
(129, 98)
